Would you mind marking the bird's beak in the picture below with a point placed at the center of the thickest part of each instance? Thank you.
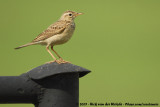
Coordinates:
(79, 14)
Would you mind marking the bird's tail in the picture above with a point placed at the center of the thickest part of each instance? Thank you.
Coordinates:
(28, 44)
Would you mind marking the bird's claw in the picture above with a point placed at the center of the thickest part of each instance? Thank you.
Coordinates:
(63, 61)
(57, 61)
(60, 61)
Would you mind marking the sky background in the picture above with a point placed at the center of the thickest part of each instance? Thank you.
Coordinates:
(118, 40)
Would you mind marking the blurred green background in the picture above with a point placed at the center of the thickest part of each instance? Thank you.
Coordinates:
(118, 40)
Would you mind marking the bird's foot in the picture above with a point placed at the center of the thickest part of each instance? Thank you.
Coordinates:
(63, 61)
(57, 61)
(60, 61)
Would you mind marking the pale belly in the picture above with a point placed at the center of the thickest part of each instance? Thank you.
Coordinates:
(59, 38)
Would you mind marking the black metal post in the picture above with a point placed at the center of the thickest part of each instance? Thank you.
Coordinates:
(49, 85)
(17, 89)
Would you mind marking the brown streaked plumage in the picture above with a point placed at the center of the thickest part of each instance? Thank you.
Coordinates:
(56, 28)
(58, 33)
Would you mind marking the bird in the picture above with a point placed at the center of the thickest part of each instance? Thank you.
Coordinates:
(57, 33)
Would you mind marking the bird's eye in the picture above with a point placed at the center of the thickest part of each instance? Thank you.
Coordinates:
(70, 14)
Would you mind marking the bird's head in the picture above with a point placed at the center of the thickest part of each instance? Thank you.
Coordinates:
(69, 15)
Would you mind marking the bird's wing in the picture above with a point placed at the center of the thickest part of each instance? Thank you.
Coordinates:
(56, 28)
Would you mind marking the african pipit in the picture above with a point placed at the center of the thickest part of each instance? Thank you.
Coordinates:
(57, 33)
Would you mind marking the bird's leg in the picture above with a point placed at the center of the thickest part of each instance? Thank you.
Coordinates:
(60, 58)
(55, 52)
(55, 60)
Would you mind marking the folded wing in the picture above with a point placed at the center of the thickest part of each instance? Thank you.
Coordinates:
(56, 28)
